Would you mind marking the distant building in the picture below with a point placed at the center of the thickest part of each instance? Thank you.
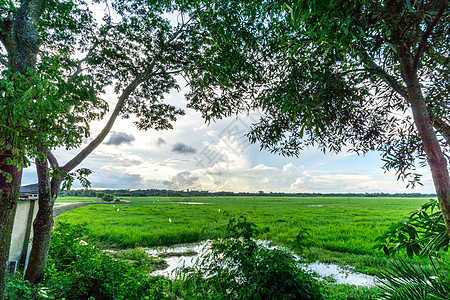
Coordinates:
(22, 232)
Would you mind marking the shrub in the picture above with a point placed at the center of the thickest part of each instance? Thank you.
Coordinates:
(79, 271)
(422, 234)
(19, 289)
(108, 197)
(405, 281)
(237, 267)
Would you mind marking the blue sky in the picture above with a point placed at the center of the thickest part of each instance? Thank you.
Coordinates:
(218, 157)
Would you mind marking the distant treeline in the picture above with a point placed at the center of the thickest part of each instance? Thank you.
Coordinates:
(170, 193)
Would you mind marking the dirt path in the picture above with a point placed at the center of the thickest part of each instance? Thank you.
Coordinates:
(61, 208)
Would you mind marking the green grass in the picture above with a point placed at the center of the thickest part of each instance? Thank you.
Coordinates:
(341, 230)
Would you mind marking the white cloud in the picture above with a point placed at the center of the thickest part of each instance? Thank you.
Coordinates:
(224, 160)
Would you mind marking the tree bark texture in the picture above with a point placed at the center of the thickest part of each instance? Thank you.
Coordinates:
(19, 35)
(9, 193)
(424, 124)
(42, 225)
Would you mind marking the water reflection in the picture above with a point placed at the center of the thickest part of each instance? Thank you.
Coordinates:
(186, 255)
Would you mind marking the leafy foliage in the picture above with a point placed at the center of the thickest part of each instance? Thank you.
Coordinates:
(405, 281)
(423, 233)
(81, 271)
(327, 74)
(238, 267)
(47, 106)
(18, 289)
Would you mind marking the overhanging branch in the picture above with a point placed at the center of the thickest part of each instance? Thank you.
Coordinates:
(81, 61)
(382, 74)
(427, 34)
(52, 159)
(389, 79)
(146, 75)
(99, 139)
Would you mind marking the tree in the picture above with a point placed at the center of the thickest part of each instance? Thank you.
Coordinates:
(50, 94)
(360, 75)
(38, 108)
(140, 54)
(139, 51)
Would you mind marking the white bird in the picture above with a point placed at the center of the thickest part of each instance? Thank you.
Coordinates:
(170, 220)
(117, 209)
(219, 210)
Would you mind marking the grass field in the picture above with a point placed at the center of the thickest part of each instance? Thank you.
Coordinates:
(340, 230)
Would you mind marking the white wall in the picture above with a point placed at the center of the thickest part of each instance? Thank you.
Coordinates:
(23, 225)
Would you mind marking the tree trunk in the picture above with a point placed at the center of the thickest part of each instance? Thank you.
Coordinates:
(436, 158)
(21, 40)
(42, 225)
(9, 193)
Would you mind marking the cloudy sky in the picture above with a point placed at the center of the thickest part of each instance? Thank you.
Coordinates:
(218, 157)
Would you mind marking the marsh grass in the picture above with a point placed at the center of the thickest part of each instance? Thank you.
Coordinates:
(339, 229)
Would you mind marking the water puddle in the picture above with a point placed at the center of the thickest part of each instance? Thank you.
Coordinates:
(314, 205)
(183, 255)
(340, 275)
(186, 255)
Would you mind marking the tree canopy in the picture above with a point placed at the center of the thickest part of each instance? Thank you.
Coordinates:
(339, 75)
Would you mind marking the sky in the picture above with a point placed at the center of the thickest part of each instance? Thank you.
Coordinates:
(218, 157)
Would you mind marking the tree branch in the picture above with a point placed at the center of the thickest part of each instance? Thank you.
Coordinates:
(52, 159)
(99, 139)
(80, 62)
(354, 70)
(389, 79)
(119, 105)
(427, 34)
(164, 72)
(442, 127)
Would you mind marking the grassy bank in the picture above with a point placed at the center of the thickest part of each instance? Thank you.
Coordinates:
(341, 230)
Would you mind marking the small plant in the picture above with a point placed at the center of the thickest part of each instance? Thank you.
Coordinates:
(19, 289)
(423, 234)
(405, 281)
(237, 267)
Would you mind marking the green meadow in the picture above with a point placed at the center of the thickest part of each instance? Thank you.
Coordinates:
(329, 229)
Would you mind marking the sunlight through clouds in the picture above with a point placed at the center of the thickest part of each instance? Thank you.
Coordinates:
(219, 157)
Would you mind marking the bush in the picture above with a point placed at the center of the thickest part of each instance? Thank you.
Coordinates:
(19, 289)
(80, 271)
(108, 197)
(422, 234)
(238, 267)
(405, 281)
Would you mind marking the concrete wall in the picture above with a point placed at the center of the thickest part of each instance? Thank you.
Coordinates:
(22, 233)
